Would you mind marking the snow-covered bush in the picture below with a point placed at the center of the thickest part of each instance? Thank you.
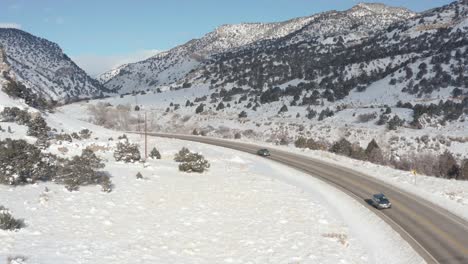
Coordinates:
(85, 133)
(37, 127)
(395, 122)
(8, 222)
(154, 154)
(81, 170)
(14, 114)
(237, 135)
(127, 152)
(182, 154)
(75, 135)
(191, 162)
(23, 163)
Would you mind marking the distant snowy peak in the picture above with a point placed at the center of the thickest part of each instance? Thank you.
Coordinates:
(43, 67)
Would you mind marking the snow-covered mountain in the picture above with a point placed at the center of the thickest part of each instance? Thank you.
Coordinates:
(371, 72)
(106, 76)
(43, 68)
(422, 56)
(168, 67)
(171, 66)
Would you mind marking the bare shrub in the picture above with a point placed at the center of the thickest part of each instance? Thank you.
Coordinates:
(357, 152)
(62, 150)
(95, 148)
(342, 238)
(444, 166)
(105, 115)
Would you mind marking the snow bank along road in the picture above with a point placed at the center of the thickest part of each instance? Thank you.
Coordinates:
(436, 234)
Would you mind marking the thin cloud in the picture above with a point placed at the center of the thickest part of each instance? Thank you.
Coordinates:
(95, 64)
(10, 25)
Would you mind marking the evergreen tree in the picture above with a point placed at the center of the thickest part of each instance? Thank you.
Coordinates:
(154, 154)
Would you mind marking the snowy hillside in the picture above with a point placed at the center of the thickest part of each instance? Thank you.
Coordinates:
(169, 67)
(371, 72)
(106, 76)
(43, 67)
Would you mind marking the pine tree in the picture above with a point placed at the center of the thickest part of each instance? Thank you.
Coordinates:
(342, 147)
(154, 154)
(283, 109)
(139, 176)
(374, 153)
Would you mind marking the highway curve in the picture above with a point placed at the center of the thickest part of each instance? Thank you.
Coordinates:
(436, 234)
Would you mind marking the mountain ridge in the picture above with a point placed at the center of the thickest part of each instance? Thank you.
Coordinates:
(169, 67)
(41, 66)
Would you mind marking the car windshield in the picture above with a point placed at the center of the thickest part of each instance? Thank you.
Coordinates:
(384, 201)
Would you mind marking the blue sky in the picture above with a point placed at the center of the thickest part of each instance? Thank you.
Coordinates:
(100, 34)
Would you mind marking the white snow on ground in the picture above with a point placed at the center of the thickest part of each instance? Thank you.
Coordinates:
(245, 209)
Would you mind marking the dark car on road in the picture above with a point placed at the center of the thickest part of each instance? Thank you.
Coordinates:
(263, 152)
(380, 201)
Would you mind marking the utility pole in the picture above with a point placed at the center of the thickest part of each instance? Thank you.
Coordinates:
(146, 138)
